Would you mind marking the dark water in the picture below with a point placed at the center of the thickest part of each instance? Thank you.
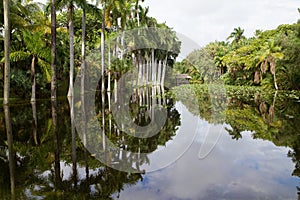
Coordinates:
(214, 144)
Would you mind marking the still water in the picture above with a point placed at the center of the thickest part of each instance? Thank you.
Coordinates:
(214, 144)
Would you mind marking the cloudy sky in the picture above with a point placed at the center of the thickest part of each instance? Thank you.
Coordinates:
(209, 20)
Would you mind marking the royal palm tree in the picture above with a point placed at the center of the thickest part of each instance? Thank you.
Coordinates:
(6, 7)
(53, 50)
(71, 42)
(70, 4)
(71, 11)
(83, 43)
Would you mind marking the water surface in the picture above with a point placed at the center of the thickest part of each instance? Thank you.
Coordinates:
(241, 144)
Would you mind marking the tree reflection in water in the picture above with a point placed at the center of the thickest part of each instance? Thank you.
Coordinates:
(51, 162)
(57, 165)
(272, 115)
(130, 151)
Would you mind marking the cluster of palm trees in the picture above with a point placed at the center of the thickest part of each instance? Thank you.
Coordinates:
(35, 28)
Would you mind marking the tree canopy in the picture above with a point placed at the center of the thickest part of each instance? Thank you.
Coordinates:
(270, 59)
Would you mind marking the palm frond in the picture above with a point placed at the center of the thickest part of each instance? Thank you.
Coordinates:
(18, 56)
(46, 69)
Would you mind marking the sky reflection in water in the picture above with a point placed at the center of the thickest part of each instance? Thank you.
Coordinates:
(235, 169)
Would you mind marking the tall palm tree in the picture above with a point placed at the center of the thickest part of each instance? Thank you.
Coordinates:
(71, 11)
(102, 51)
(236, 35)
(86, 7)
(71, 42)
(53, 50)
(83, 42)
(53, 92)
(6, 7)
(70, 4)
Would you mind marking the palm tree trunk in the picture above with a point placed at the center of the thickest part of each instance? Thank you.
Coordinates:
(109, 87)
(163, 95)
(102, 77)
(165, 63)
(137, 12)
(152, 67)
(53, 50)
(53, 93)
(34, 123)
(83, 64)
(140, 72)
(116, 90)
(102, 51)
(84, 125)
(109, 70)
(148, 71)
(159, 73)
(73, 133)
(122, 43)
(71, 37)
(155, 71)
(103, 122)
(58, 179)
(11, 153)
(275, 81)
(6, 7)
(33, 81)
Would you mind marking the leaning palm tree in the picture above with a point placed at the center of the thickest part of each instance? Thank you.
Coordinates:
(268, 55)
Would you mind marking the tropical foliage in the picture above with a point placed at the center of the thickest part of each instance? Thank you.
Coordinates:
(80, 28)
(269, 59)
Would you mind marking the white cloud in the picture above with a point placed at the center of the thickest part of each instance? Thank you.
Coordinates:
(209, 20)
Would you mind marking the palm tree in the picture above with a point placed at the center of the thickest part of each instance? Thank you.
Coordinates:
(102, 52)
(83, 41)
(236, 35)
(71, 38)
(53, 50)
(27, 18)
(38, 52)
(269, 54)
(71, 10)
(6, 7)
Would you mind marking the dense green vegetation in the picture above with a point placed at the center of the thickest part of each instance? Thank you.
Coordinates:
(269, 59)
(80, 29)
